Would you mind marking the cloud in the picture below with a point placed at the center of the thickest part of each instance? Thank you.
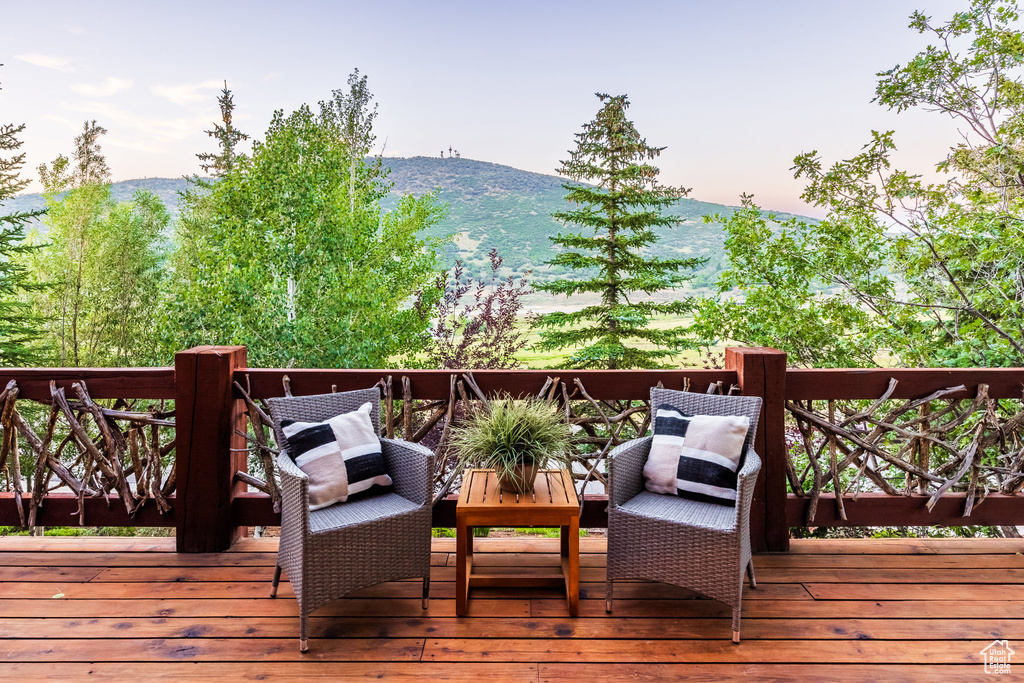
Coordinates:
(156, 133)
(135, 146)
(105, 89)
(186, 93)
(65, 122)
(46, 61)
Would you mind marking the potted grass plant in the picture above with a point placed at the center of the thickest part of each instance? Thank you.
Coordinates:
(517, 438)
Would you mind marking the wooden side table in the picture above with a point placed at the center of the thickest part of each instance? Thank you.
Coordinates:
(552, 503)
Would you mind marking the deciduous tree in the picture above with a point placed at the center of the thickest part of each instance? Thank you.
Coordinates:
(290, 264)
(475, 323)
(912, 272)
(102, 260)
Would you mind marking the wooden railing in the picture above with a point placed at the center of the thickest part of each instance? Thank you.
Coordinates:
(211, 504)
(984, 406)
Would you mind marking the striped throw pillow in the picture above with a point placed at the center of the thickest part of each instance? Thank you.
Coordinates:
(695, 456)
(341, 456)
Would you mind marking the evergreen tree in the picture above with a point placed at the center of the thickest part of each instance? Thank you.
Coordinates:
(197, 201)
(623, 207)
(18, 326)
(227, 137)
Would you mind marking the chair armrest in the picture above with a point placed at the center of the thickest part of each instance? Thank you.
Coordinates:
(294, 496)
(751, 467)
(411, 467)
(746, 481)
(625, 468)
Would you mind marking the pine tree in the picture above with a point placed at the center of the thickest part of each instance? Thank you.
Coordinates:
(19, 328)
(623, 207)
(227, 136)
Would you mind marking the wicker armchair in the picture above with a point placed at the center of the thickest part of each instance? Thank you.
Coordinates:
(700, 546)
(333, 551)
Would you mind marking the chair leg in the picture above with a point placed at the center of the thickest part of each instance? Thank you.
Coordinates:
(303, 630)
(277, 580)
(426, 591)
(736, 625)
(608, 596)
(750, 573)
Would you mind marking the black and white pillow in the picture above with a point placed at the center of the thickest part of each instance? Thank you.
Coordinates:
(695, 456)
(341, 456)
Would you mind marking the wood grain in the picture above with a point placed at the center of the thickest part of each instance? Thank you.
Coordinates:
(209, 449)
(551, 503)
(117, 609)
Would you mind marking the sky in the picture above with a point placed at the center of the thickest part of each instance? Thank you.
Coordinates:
(733, 89)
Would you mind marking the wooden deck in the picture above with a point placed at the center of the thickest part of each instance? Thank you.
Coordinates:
(132, 609)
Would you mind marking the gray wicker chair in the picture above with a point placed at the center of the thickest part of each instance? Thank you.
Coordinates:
(330, 552)
(700, 546)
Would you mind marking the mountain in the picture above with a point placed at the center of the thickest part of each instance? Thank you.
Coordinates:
(490, 206)
(165, 188)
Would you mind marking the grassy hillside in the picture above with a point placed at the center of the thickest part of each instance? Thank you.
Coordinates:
(491, 206)
(498, 206)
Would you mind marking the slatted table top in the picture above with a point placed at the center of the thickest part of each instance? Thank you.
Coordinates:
(553, 490)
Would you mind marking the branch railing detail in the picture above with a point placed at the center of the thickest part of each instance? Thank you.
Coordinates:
(88, 447)
(97, 445)
(926, 446)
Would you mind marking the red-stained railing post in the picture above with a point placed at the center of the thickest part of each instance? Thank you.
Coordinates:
(207, 415)
(762, 372)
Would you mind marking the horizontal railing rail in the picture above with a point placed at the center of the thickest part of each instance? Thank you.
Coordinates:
(912, 383)
(435, 384)
(104, 383)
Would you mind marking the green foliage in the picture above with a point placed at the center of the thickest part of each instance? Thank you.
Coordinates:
(103, 261)
(285, 255)
(780, 268)
(227, 137)
(19, 326)
(621, 212)
(928, 273)
(512, 432)
(356, 124)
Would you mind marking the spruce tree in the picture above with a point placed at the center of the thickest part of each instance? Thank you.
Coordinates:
(617, 212)
(19, 327)
(227, 137)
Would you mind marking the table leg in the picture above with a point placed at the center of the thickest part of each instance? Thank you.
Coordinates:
(463, 566)
(570, 536)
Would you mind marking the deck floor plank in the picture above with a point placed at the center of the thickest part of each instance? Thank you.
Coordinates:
(463, 672)
(615, 628)
(894, 609)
